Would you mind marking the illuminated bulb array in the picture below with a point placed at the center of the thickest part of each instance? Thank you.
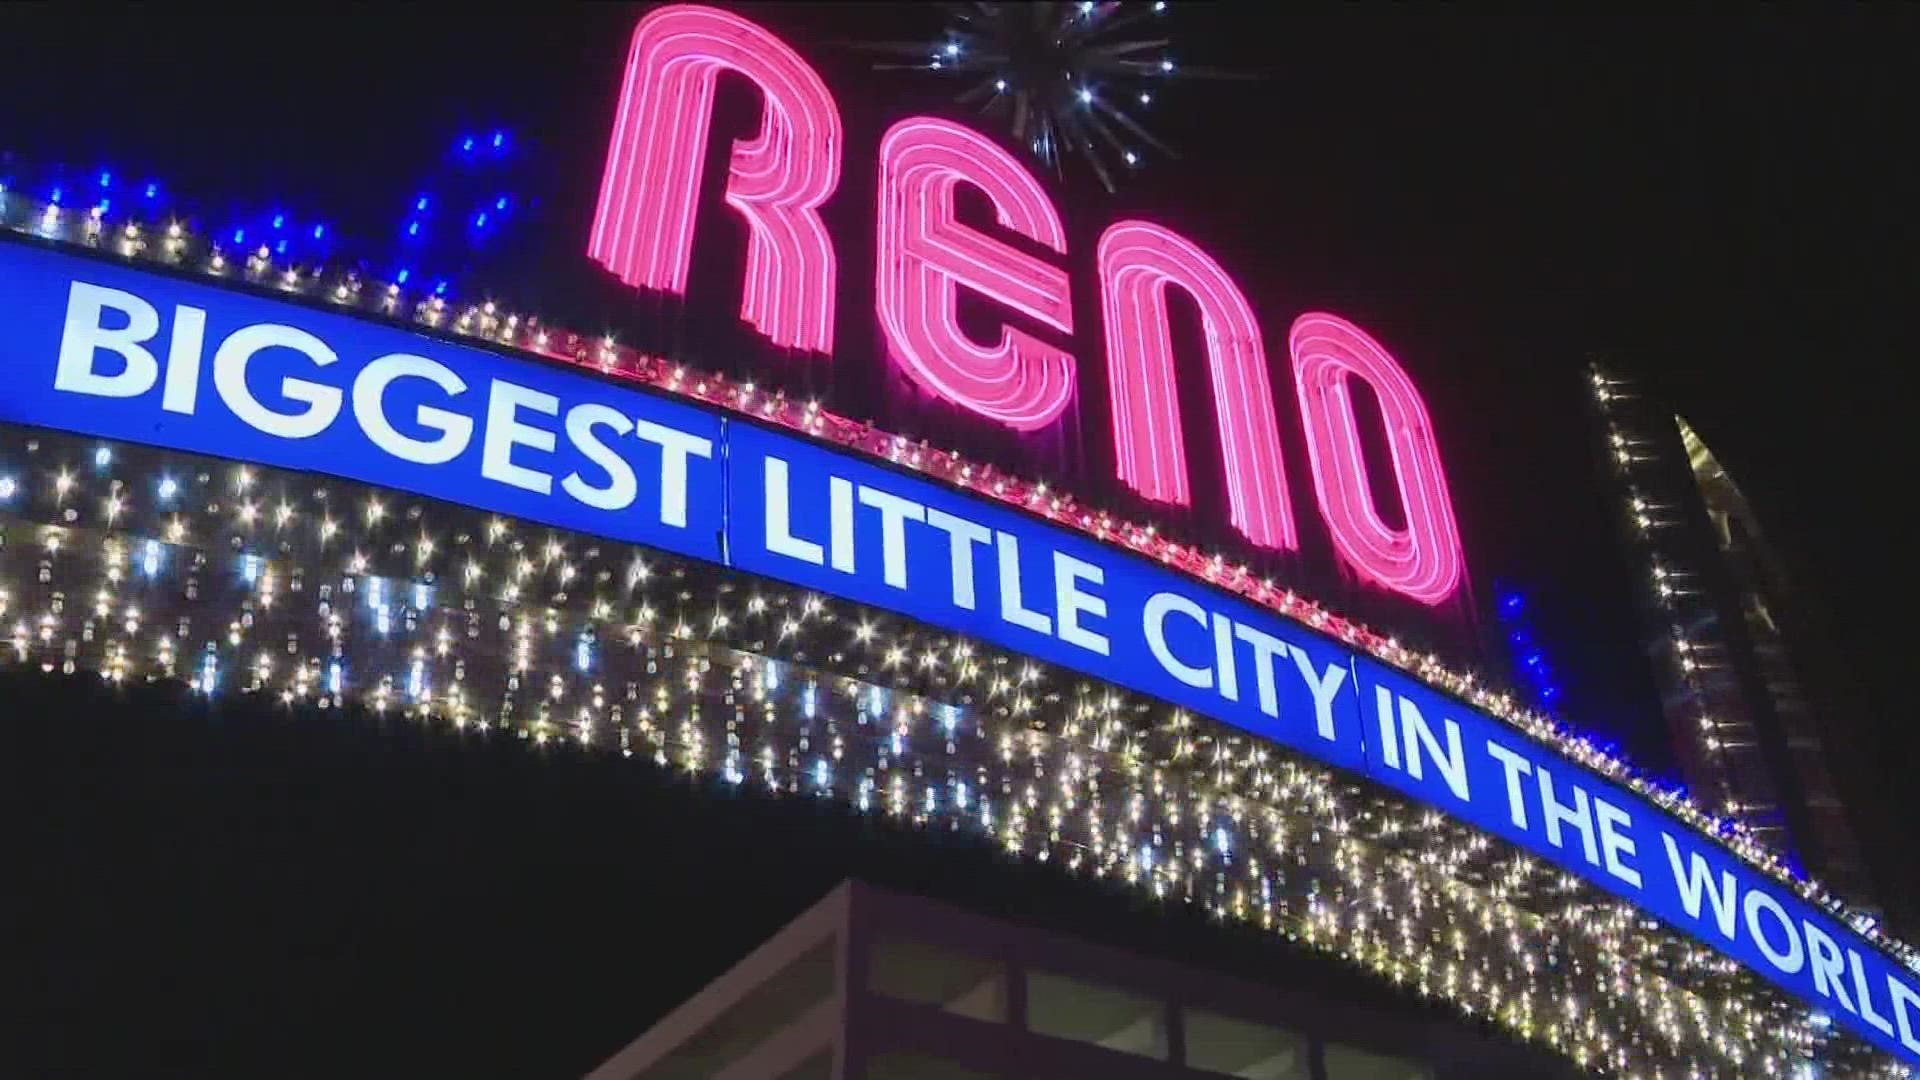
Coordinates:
(508, 629)
(529, 335)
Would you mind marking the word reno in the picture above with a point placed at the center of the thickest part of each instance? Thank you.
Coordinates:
(925, 256)
(112, 352)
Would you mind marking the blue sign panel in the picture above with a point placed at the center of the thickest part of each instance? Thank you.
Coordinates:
(99, 349)
(108, 351)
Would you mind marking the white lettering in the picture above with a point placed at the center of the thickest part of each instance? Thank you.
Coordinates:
(1515, 767)
(1788, 962)
(622, 487)
(1155, 617)
(1010, 606)
(894, 514)
(183, 360)
(1829, 967)
(1556, 814)
(1266, 648)
(505, 431)
(369, 407)
(1615, 845)
(962, 535)
(84, 337)
(840, 523)
(675, 448)
(1323, 686)
(1069, 602)
(1861, 994)
(1697, 878)
(1904, 999)
(1223, 660)
(230, 379)
(1419, 736)
(780, 538)
(1389, 737)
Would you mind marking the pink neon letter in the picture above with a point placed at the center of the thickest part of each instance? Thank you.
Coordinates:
(643, 227)
(1138, 261)
(1422, 561)
(925, 255)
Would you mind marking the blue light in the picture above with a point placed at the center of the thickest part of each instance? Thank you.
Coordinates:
(480, 221)
(466, 145)
(106, 179)
(104, 205)
(150, 563)
(54, 197)
(279, 221)
(239, 237)
(102, 457)
(319, 231)
(440, 288)
(413, 228)
(1510, 604)
(167, 488)
(401, 277)
(153, 191)
(335, 678)
(500, 203)
(499, 140)
(280, 248)
(422, 597)
(1532, 659)
(250, 568)
(421, 204)
(583, 655)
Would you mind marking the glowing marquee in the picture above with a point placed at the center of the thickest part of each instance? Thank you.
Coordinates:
(643, 232)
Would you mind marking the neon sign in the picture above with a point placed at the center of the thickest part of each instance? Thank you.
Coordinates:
(643, 232)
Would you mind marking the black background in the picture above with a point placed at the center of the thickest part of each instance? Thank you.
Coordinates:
(1728, 203)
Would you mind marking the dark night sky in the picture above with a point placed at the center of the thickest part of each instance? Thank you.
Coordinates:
(1729, 203)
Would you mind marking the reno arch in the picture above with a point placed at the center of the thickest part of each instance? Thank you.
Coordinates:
(777, 180)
